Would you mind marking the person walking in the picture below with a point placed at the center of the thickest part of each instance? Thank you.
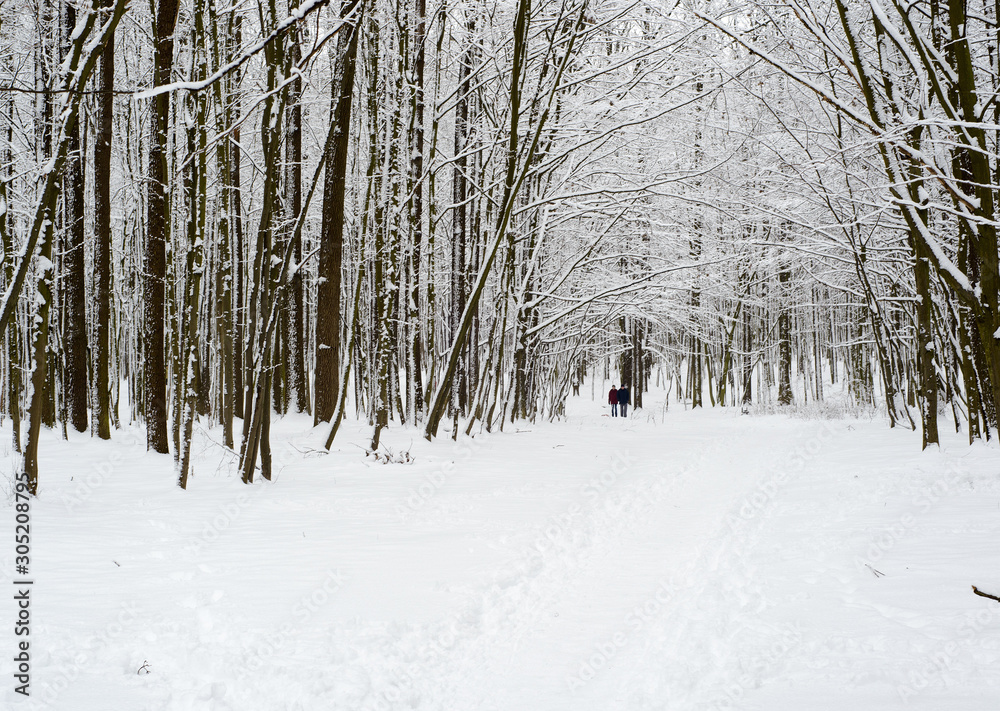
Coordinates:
(613, 400)
(623, 400)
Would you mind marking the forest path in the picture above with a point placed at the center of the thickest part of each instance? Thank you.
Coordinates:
(687, 560)
(627, 549)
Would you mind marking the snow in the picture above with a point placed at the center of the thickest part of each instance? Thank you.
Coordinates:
(681, 560)
(296, 15)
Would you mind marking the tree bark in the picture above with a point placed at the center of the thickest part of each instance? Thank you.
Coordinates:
(414, 384)
(459, 218)
(925, 353)
(12, 334)
(331, 245)
(785, 396)
(74, 290)
(240, 347)
(39, 370)
(157, 234)
(102, 240)
(297, 379)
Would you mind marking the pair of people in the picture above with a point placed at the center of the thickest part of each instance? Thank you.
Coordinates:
(619, 398)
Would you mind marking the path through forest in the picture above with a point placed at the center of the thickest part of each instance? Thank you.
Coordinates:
(681, 560)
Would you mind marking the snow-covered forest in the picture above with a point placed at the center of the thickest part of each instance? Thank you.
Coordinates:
(451, 214)
(231, 229)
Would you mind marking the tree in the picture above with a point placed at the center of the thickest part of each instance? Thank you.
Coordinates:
(157, 233)
(102, 240)
(331, 245)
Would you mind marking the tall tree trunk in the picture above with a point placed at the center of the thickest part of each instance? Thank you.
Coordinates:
(74, 290)
(414, 384)
(224, 286)
(267, 267)
(459, 216)
(157, 234)
(12, 333)
(748, 360)
(925, 328)
(697, 347)
(785, 396)
(432, 208)
(102, 241)
(382, 267)
(39, 381)
(817, 350)
(297, 379)
(925, 353)
(332, 231)
(975, 153)
(190, 379)
(39, 369)
(638, 364)
(241, 346)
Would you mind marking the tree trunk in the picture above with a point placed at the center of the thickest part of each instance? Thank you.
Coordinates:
(785, 396)
(74, 290)
(241, 346)
(225, 303)
(12, 333)
(39, 370)
(157, 234)
(297, 379)
(414, 384)
(459, 221)
(925, 353)
(331, 245)
(102, 241)
(748, 361)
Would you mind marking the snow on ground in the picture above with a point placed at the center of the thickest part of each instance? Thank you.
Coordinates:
(678, 560)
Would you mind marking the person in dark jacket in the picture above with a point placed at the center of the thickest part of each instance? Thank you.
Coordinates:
(613, 400)
(623, 400)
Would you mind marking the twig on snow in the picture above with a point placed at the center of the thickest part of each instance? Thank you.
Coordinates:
(980, 593)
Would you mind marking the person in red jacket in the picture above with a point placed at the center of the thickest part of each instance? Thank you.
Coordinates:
(613, 400)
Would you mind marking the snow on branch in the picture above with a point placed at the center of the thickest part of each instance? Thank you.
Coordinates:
(296, 15)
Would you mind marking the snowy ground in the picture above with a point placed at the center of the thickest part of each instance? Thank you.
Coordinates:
(684, 561)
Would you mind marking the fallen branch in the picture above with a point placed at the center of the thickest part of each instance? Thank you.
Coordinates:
(980, 593)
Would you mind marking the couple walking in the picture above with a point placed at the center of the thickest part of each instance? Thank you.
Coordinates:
(619, 397)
